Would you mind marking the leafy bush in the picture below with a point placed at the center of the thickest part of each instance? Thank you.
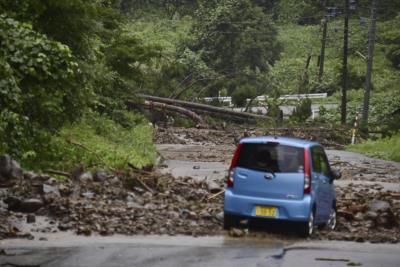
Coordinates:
(39, 87)
(302, 110)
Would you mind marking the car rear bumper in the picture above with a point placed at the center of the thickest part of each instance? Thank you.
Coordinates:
(291, 210)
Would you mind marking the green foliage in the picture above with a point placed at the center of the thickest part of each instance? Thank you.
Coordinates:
(39, 86)
(391, 38)
(388, 148)
(98, 141)
(241, 94)
(237, 40)
(130, 58)
(301, 12)
(71, 22)
(302, 110)
(383, 113)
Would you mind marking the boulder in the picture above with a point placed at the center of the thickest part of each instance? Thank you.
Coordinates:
(30, 218)
(213, 187)
(10, 170)
(49, 189)
(378, 206)
(100, 176)
(26, 205)
(86, 177)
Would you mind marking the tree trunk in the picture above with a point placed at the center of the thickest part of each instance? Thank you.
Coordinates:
(162, 106)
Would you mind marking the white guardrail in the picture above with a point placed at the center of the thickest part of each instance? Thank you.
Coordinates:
(228, 99)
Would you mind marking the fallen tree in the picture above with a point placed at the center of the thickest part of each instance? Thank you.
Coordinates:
(216, 111)
(171, 108)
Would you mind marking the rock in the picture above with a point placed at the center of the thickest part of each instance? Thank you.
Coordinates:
(88, 195)
(10, 170)
(114, 181)
(30, 175)
(64, 189)
(173, 215)
(77, 172)
(30, 205)
(84, 230)
(30, 218)
(43, 239)
(378, 205)
(3, 193)
(26, 205)
(213, 187)
(48, 189)
(100, 176)
(220, 216)
(86, 177)
(371, 215)
(359, 216)
(235, 232)
(64, 226)
(132, 204)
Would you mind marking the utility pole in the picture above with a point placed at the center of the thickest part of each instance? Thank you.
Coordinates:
(344, 68)
(323, 45)
(371, 44)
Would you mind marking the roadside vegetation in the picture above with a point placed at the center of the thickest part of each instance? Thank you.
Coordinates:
(387, 148)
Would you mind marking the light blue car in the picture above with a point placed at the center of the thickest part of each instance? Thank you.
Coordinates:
(281, 178)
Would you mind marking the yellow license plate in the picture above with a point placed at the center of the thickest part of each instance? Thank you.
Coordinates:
(266, 211)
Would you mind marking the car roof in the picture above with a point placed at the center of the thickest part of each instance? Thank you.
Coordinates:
(290, 141)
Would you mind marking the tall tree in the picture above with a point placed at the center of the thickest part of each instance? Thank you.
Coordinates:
(237, 40)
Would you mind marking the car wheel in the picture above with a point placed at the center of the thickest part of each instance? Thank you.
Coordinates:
(308, 227)
(230, 221)
(331, 224)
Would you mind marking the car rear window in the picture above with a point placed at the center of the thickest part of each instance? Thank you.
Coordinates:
(271, 157)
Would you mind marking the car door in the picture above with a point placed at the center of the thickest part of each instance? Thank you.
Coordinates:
(321, 183)
(327, 185)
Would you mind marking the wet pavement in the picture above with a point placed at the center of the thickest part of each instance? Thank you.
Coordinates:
(188, 251)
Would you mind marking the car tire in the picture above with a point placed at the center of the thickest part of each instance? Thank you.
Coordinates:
(308, 228)
(230, 221)
(332, 221)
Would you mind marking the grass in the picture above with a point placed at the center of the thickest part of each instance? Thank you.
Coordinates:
(99, 142)
(388, 148)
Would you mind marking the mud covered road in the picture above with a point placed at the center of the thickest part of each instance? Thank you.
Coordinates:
(172, 217)
(368, 193)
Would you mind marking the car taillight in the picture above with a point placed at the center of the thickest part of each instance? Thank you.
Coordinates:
(307, 172)
(229, 181)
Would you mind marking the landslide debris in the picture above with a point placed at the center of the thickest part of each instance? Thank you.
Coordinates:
(140, 202)
(366, 213)
(135, 202)
(329, 137)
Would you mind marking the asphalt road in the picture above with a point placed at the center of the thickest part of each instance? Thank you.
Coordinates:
(189, 251)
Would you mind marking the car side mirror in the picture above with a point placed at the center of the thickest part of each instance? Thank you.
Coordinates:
(336, 174)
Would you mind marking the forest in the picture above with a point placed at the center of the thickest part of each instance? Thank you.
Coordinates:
(67, 67)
